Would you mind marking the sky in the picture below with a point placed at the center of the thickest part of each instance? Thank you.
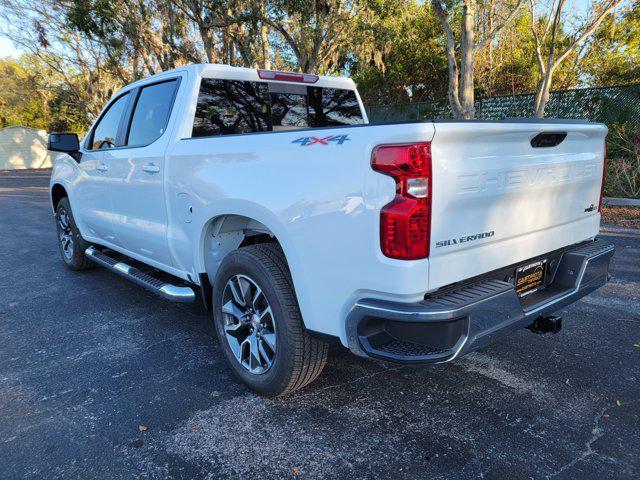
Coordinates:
(7, 48)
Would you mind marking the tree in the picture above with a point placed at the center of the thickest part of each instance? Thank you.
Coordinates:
(94, 47)
(550, 56)
(21, 102)
(461, 70)
(37, 96)
(506, 66)
(613, 57)
(232, 32)
(317, 32)
(68, 60)
(405, 64)
(138, 37)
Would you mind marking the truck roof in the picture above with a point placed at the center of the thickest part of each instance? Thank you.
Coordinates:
(216, 70)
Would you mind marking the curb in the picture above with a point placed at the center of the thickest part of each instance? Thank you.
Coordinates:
(621, 202)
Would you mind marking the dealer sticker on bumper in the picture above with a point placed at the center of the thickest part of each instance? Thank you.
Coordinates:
(530, 278)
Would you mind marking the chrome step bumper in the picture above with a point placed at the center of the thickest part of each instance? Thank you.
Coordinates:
(159, 287)
(443, 327)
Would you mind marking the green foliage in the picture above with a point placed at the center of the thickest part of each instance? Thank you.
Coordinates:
(410, 65)
(95, 18)
(509, 65)
(20, 101)
(37, 96)
(614, 56)
(623, 170)
(317, 36)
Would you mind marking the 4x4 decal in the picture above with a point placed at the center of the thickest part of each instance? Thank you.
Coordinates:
(308, 141)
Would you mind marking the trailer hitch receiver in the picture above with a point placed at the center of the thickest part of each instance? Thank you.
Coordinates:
(546, 324)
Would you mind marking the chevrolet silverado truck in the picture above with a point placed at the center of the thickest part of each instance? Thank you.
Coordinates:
(268, 196)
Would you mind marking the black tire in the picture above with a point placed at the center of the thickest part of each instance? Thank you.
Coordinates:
(298, 358)
(68, 233)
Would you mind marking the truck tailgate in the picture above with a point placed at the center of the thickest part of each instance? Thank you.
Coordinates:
(498, 200)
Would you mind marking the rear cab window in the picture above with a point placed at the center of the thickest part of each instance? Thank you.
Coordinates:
(228, 107)
(329, 107)
(289, 109)
(231, 107)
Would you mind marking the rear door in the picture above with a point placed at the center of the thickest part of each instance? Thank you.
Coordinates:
(137, 171)
(504, 192)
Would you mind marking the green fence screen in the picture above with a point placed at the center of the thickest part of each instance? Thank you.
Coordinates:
(609, 105)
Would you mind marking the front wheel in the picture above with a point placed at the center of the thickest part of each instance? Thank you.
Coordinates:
(258, 323)
(71, 243)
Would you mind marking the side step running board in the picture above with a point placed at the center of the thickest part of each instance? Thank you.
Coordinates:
(166, 290)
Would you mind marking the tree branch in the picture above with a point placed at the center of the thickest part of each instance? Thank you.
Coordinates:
(536, 38)
(498, 28)
(587, 31)
(547, 24)
(287, 37)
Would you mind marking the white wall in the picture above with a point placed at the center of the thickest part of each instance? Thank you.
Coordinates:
(23, 147)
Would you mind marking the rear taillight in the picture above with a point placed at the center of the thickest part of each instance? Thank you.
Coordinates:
(405, 222)
(604, 174)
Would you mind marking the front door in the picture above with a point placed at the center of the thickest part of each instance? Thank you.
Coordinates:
(92, 199)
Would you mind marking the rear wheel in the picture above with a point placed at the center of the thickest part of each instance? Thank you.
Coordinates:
(71, 243)
(259, 325)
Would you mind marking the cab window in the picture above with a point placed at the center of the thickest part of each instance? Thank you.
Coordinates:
(227, 107)
(151, 113)
(289, 111)
(329, 107)
(106, 131)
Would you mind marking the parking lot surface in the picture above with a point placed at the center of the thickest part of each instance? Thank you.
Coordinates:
(102, 379)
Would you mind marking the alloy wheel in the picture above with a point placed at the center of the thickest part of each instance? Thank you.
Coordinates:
(66, 235)
(249, 324)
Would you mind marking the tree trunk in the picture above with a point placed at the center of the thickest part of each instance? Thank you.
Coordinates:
(542, 94)
(264, 38)
(466, 93)
(452, 93)
(452, 62)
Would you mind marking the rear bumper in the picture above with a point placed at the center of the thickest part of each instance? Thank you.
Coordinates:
(445, 326)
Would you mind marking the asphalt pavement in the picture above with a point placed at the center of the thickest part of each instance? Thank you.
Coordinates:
(102, 379)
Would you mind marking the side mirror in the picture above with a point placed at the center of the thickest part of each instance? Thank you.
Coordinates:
(63, 142)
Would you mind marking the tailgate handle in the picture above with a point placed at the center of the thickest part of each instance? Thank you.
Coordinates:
(548, 139)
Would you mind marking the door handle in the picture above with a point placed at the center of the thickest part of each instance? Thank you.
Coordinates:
(102, 167)
(150, 168)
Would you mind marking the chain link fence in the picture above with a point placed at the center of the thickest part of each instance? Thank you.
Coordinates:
(617, 107)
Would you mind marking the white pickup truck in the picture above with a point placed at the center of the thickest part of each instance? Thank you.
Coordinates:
(269, 196)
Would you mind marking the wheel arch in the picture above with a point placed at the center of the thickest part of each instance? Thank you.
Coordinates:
(225, 232)
(58, 192)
